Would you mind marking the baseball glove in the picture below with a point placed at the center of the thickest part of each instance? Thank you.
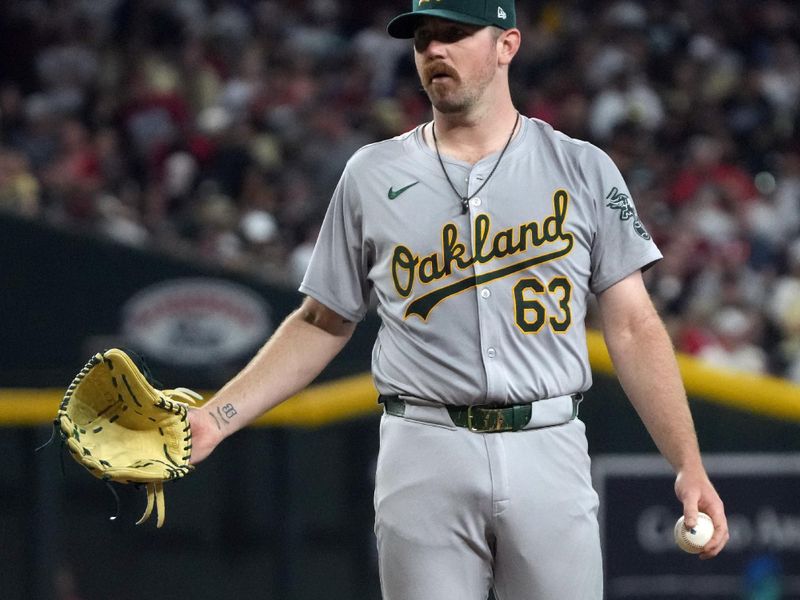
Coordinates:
(122, 429)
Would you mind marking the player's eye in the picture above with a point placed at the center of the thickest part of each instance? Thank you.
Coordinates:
(446, 35)
(450, 35)
(422, 38)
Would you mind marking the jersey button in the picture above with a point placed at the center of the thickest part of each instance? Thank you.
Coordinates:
(485, 293)
(475, 202)
(491, 352)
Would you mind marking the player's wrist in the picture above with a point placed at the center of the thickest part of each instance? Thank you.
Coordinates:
(690, 466)
(206, 435)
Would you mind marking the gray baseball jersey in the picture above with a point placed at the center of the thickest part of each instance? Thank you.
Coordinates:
(481, 307)
(485, 307)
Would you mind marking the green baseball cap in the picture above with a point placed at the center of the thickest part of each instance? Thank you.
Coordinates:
(500, 13)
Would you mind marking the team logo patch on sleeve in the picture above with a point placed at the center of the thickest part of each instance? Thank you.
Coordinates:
(620, 201)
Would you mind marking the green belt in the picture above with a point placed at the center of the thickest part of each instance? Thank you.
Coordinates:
(480, 419)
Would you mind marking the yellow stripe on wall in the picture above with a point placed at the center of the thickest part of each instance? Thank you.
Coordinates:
(767, 396)
(318, 405)
(355, 396)
(346, 398)
(28, 406)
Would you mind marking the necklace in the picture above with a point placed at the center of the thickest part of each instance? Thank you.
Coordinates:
(465, 199)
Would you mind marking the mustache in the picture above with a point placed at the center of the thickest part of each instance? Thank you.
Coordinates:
(438, 68)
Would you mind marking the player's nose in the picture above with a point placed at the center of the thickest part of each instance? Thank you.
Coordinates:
(429, 47)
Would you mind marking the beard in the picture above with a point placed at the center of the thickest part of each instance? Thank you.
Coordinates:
(448, 92)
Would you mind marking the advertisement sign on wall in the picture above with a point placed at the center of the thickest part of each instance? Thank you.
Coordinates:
(196, 321)
(761, 493)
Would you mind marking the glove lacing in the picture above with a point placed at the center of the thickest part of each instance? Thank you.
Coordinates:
(183, 394)
(178, 398)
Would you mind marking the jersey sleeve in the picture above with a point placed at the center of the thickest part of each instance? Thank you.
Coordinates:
(336, 274)
(621, 243)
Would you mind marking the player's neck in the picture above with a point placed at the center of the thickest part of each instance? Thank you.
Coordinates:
(471, 137)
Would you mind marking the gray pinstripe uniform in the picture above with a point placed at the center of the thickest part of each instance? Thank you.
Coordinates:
(481, 308)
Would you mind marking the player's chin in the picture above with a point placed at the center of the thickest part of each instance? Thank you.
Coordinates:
(448, 104)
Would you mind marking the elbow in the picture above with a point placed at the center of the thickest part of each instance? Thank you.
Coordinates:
(635, 333)
(643, 321)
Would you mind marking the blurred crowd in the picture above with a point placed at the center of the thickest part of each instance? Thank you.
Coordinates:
(216, 130)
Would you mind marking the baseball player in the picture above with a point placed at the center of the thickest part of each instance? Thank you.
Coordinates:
(482, 234)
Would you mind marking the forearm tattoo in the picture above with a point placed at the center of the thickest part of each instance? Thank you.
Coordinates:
(224, 414)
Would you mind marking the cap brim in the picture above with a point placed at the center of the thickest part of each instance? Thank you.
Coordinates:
(403, 26)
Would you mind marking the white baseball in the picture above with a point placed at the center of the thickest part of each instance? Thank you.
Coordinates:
(693, 540)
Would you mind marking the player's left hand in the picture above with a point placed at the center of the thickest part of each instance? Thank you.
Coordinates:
(695, 491)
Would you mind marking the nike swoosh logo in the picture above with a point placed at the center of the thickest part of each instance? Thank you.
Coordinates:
(395, 193)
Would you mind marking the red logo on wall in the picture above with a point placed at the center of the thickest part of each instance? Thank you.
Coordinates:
(196, 321)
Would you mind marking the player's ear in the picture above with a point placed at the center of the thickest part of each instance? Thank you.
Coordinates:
(507, 45)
